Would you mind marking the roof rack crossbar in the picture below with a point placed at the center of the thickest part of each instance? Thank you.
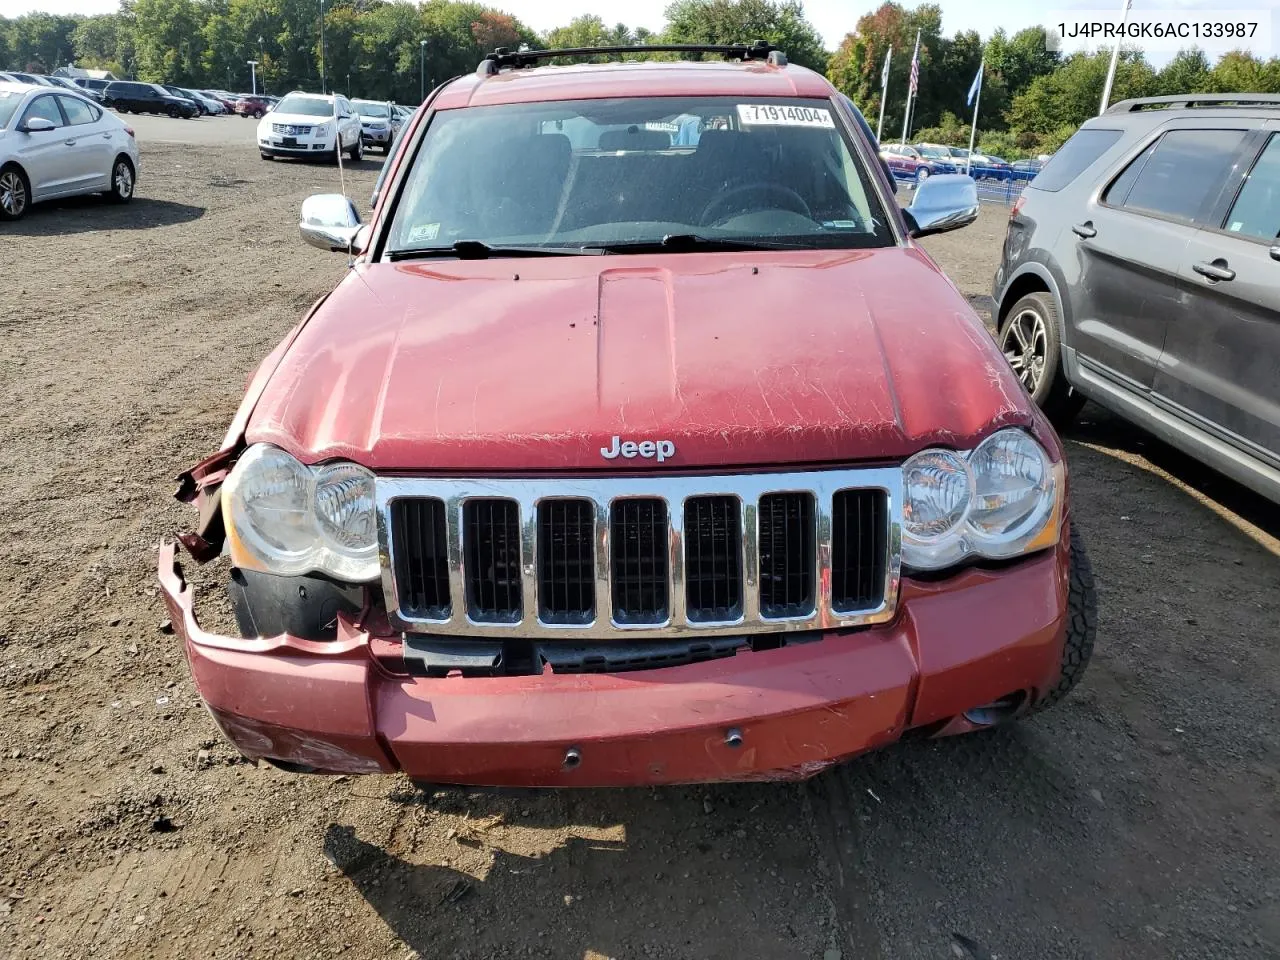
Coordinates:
(759, 50)
(1195, 100)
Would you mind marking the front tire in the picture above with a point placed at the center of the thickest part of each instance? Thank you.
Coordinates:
(1029, 340)
(15, 193)
(1082, 626)
(123, 181)
(357, 151)
(922, 174)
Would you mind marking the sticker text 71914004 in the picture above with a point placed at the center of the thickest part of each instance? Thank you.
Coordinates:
(783, 115)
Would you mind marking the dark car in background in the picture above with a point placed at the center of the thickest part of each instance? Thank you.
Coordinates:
(128, 96)
(1141, 270)
(1024, 170)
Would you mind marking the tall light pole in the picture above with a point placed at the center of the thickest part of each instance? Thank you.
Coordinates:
(262, 58)
(322, 46)
(1115, 56)
(348, 84)
(422, 70)
(253, 75)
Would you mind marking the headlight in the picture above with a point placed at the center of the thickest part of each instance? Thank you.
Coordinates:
(1001, 500)
(285, 518)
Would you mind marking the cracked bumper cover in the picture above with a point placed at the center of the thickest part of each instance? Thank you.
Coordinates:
(331, 706)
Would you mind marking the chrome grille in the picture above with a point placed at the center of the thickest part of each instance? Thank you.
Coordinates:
(641, 556)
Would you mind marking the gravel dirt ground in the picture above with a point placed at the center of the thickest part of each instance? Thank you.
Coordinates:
(1137, 820)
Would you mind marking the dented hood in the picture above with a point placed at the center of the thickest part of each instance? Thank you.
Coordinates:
(734, 359)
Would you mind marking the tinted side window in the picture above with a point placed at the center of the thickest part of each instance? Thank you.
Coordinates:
(1074, 157)
(78, 111)
(46, 107)
(1256, 212)
(1118, 192)
(1185, 167)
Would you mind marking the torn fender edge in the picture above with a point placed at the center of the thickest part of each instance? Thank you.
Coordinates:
(202, 484)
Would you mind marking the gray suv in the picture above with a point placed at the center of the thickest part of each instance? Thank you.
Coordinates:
(1140, 270)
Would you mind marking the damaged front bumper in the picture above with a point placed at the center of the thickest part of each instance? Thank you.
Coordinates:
(788, 713)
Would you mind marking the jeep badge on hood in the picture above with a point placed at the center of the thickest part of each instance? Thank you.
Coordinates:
(662, 449)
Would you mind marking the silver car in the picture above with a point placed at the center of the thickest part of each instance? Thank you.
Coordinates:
(55, 143)
(376, 123)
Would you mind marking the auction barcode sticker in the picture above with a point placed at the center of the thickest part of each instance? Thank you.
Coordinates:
(774, 115)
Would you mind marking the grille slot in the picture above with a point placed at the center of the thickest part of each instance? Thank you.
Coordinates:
(638, 553)
(787, 555)
(859, 551)
(713, 558)
(421, 557)
(491, 542)
(566, 561)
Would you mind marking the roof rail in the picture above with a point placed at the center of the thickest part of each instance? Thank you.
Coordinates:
(1193, 100)
(518, 59)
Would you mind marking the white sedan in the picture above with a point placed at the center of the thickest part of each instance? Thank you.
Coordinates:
(55, 143)
(311, 125)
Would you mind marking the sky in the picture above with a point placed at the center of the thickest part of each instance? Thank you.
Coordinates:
(833, 18)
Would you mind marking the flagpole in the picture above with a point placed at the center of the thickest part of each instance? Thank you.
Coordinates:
(1115, 56)
(911, 92)
(977, 102)
(884, 91)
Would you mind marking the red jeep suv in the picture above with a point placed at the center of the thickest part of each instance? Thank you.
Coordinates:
(640, 444)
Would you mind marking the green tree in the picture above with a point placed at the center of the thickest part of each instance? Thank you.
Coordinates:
(168, 41)
(1188, 72)
(781, 22)
(1020, 60)
(857, 65)
(40, 42)
(1240, 72)
(1064, 99)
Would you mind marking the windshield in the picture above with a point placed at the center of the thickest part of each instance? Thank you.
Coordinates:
(935, 153)
(305, 106)
(9, 101)
(633, 171)
(379, 110)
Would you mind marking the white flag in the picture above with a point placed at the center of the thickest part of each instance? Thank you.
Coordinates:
(976, 85)
(884, 74)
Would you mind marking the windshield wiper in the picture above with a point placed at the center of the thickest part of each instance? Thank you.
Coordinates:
(479, 250)
(680, 242)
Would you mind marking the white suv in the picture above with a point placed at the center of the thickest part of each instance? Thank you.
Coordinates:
(310, 125)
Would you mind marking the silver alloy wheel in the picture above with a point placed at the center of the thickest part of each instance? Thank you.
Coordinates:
(123, 181)
(922, 173)
(1025, 346)
(13, 193)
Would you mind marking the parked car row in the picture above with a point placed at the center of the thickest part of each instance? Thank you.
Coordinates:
(57, 143)
(919, 161)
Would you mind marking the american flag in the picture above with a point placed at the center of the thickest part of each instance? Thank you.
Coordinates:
(915, 68)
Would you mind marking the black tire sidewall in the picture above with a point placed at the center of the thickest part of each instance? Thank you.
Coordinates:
(1053, 382)
(113, 192)
(26, 207)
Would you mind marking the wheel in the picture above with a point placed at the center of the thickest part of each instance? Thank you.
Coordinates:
(122, 181)
(1029, 340)
(15, 193)
(922, 174)
(173, 113)
(1082, 625)
(258, 114)
(357, 150)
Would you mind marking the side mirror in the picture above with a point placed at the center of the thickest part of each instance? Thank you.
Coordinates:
(943, 202)
(38, 125)
(330, 221)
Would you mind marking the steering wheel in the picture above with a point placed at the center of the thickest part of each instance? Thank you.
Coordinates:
(793, 201)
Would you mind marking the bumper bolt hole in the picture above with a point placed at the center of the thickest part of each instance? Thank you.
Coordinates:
(572, 757)
(733, 738)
